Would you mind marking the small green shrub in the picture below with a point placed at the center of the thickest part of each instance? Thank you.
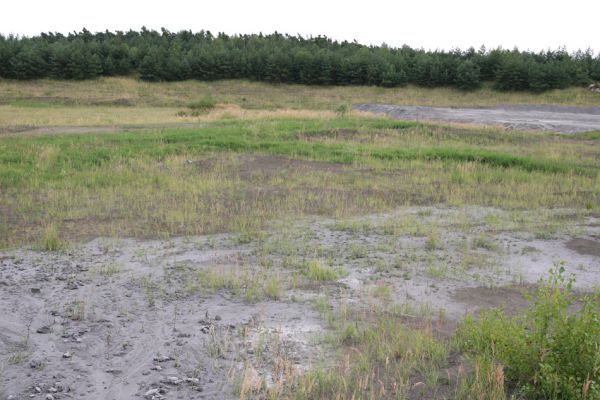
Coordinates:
(550, 351)
(205, 104)
(343, 109)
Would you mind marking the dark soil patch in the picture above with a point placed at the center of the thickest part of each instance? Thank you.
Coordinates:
(584, 246)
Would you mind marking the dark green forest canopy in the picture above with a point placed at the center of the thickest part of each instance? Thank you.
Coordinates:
(169, 56)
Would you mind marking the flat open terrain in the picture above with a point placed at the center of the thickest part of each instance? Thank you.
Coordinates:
(547, 118)
(278, 244)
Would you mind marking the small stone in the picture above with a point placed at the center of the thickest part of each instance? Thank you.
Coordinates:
(217, 317)
(172, 380)
(37, 389)
(11, 397)
(43, 330)
(35, 290)
(150, 393)
(418, 385)
(49, 397)
(114, 371)
(156, 368)
(52, 390)
(66, 355)
(163, 359)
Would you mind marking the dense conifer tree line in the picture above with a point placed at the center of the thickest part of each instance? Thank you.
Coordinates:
(168, 56)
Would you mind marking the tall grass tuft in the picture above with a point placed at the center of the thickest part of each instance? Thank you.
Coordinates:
(51, 240)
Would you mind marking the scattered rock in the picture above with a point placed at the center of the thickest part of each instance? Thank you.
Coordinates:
(43, 330)
(161, 359)
(35, 290)
(66, 354)
(172, 380)
(114, 371)
(36, 364)
(49, 397)
(217, 317)
(153, 394)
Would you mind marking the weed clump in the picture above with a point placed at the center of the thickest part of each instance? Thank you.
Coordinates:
(316, 271)
(549, 352)
(343, 109)
(205, 104)
(51, 240)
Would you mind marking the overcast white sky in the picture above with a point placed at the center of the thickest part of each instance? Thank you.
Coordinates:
(432, 24)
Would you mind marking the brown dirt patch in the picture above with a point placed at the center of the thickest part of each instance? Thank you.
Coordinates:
(509, 298)
(253, 166)
(269, 165)
(584, 246)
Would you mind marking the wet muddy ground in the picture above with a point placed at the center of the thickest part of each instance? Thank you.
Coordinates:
(187, 318)
(563, 119)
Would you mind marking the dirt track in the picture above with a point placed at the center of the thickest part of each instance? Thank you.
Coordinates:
(526, 117)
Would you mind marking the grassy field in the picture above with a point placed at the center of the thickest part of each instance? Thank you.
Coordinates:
(195, 181)
(122, 101)
(266, 155)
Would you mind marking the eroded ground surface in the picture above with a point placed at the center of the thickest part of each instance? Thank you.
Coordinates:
(202, 317)
(564, 119)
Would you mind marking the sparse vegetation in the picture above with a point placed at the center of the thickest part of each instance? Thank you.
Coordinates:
(311, 254)
(548, 353)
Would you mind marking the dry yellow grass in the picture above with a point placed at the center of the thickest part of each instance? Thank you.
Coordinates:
(129, 91)
(60, 116)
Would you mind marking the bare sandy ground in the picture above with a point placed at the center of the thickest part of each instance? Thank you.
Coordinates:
(561, 119)
(122, 318)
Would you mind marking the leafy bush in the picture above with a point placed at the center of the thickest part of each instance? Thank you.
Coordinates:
(549, 352)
